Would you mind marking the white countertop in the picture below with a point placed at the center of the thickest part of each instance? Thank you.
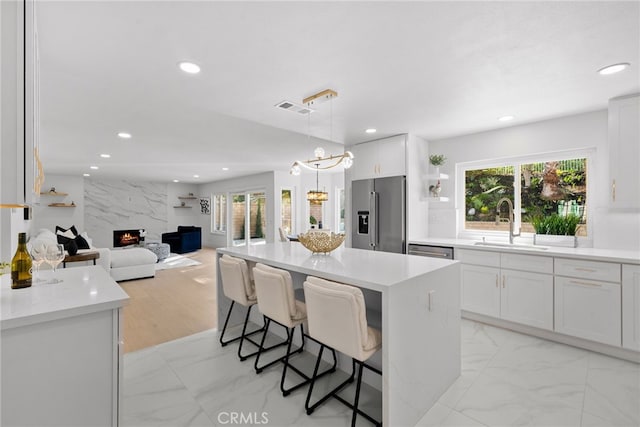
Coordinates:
(594, 254)
(368, 269)
(82, 290)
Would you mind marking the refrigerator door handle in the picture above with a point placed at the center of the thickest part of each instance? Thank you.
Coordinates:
(373, 219)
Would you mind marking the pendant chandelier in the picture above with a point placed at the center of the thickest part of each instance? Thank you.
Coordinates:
(321, 162)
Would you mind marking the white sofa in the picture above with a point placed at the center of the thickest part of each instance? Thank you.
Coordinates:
(121, 264)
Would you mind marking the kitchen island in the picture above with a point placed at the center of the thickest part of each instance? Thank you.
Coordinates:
(61, 349)
(414, 300)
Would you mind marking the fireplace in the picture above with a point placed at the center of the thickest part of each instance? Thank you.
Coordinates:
(126, 237)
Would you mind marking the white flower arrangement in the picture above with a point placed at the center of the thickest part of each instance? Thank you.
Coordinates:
(143, 233)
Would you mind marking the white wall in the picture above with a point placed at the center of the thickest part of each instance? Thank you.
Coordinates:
(259, 182)
(48, 217)
(417, 197)
(589, 130)
(182, 216)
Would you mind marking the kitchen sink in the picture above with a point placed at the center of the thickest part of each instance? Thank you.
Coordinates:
(511, 246)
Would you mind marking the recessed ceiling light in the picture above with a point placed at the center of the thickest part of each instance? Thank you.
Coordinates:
(105, 156)
(124, 135)
(196, 176)
(612, 69)
(371, 130)
(189, 67)
(506, 118)
(176, 180)
(93, 167)
(86, 174)
(225, 169)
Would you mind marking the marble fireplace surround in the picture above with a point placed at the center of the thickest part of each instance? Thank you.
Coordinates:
(124, 205)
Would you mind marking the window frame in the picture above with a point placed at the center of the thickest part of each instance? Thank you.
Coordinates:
(517, 162)
(293, 208)
(214, 208)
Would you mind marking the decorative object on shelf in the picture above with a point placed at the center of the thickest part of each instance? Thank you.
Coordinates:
(53, 190)
(556, 230)
(182, 203)
(437, 159)
(205, 206)
(320, 242)
(435, 189)
(320, 162)
(142, 233)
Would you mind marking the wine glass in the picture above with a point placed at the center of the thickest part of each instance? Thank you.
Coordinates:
(54, 256)
(37, 252)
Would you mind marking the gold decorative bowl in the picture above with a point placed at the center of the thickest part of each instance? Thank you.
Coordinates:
(321, 242)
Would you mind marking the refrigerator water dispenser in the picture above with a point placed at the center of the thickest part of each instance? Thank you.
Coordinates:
(363, 222)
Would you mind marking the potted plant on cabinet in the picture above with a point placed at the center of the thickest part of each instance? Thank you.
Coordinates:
(556, 230)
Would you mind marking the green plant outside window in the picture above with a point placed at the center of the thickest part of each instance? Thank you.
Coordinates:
(545, 188)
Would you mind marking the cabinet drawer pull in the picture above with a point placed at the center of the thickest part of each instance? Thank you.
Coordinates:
(426, 253)
(588, 270)
(497, 279)
(503, 281)
(578, 282)
(613, 190)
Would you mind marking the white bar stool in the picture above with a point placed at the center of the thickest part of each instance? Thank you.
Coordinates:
(276, 301)
(337, 318)
(238, 286)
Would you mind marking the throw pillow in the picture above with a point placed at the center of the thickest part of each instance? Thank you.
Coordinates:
(81, 242)
(87, 238)
(72, 229)
(71, 234)
(71, 247)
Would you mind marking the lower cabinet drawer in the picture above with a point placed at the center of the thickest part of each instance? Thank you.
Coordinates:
(592, 270)
(588, 309)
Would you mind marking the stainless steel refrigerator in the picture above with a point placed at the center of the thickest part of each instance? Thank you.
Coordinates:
(378, 214)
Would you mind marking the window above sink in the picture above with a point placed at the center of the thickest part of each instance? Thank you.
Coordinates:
(539, 185)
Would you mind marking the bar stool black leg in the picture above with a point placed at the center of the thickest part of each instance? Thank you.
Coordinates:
(224, 328)
(357, 398)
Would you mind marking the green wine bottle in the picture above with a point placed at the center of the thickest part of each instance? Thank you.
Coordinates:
(21, 265)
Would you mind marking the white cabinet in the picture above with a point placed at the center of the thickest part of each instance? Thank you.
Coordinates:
(61, 352)
(631, 307)
(624, 152)
(527, 298)
(380, 158)
(588, 309)
(480, 289)
(522, 293)
(63, 372)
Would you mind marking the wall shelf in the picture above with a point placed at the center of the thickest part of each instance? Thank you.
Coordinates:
(183, 207)
(436, 176)
(438, 199)
(187, 197)
(54, 193)
(61, 205)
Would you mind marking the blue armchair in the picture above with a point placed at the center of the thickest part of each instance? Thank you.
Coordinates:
(186, 239)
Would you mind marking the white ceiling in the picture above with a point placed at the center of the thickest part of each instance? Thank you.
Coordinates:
(435, 69)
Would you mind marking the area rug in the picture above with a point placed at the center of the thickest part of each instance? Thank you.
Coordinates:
(176, 261)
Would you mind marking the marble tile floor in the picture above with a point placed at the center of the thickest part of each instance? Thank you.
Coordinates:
(508, 379)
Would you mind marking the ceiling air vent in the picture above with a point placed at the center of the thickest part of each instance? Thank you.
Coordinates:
(293, 107)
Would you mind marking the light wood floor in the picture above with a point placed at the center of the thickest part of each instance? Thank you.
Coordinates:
(176, 303)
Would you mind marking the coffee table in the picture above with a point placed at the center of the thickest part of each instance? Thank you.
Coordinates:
(85, 256)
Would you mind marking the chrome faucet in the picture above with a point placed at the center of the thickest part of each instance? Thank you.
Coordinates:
(510, 219)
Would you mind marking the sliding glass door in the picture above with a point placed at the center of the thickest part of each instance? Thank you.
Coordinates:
(248, 218)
